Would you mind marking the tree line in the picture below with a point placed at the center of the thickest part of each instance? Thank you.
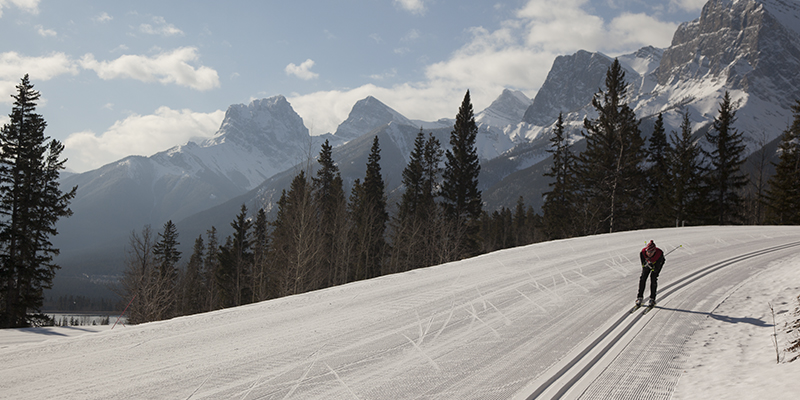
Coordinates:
(619, 182)
(321, 237)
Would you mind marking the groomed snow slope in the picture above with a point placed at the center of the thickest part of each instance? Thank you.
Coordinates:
(502, 325)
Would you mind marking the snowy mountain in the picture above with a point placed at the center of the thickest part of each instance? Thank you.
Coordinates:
(750, 48)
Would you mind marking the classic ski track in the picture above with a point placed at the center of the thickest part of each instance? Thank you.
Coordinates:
(624, 324)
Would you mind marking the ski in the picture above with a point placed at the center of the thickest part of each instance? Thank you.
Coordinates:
(648, 309)
(636, 307)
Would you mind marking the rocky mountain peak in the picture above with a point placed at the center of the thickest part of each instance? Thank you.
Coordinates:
(368, 114)
(261, 123)
(744, 44)
(507, 109)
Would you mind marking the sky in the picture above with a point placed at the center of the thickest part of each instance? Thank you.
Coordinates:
(497, 326)
(136, 78)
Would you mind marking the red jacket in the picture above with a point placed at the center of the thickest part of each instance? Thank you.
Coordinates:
(656, 260)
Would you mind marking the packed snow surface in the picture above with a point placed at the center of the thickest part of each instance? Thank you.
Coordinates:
(499, 326)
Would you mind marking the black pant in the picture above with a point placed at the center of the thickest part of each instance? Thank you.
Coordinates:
(653, 273)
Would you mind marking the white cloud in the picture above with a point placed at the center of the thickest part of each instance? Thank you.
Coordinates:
(161, 28)
(302, 71)
(103, 18)
(139, 135)
(31, 6)
(167, 67)
(413, 6)
(45, 32)
(518, 55)
(688, 5)
(13, 66)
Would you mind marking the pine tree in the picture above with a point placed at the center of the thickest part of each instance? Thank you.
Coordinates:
(211, 270)
(166, 257)
(331, 205)
(369, 216)
(725, 178)
(31, 202)
(262, 285)
(192, 299)
(559, 207)
(610, 168)
(295, 240)
(686, 199)
(783, 195)
(414, 225)
(658, 178)
(235, 260)
(461, 198)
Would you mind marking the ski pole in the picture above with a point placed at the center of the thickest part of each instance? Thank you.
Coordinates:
(679, 246)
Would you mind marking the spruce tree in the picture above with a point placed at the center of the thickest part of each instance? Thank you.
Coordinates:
(295, 240)
(783, 195)
(686, 200)
(166, 256)
(331, 205)
(461, 197)
(657, 213)
(193, 287)
(559, 207)
(31, 202)
(211, 271)
(369, 218)
(235, 260)
(610, 168)
(262, 285)
(725, 177)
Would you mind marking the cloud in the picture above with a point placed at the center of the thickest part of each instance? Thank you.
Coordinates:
(413, 6)
(167, 67)
(139, 135)
(13, 66)
(31, 6)
(161, 28)
(45, 32)
(688, 5)
(103, 18)
(517, 55)
(302, 71)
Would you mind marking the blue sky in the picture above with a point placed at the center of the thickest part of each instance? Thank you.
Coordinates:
(138, 77)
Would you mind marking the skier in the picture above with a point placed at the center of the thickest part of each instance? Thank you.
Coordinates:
(652, 259)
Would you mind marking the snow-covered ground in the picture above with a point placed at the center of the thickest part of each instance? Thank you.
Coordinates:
(549, 318)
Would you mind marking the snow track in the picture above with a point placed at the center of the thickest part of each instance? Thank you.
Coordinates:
(497, 326)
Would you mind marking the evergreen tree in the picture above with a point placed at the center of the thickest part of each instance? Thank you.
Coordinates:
(783, 195)
(193, 297)
(211, 272)
(414, 225)
(725, 178)
(31, 202)
(262, 285)
(331, 205)
(461, 198)
(658, 178)
(610, 168)
(235, 260)
(369, 218)
(559, 203)
(166, 256)
(686, 199)
(295, 240)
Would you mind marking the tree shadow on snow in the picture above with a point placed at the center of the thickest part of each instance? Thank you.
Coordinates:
(723, 318)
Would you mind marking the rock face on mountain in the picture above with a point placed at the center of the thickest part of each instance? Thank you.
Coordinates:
(368, 114)
(746, 45)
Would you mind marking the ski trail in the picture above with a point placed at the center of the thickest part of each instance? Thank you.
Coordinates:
(305, 374)
(201, 385)
(447, 321)
(476, 317)
(531, 300)
(433, 363)
(508, 321)
(341, 381)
